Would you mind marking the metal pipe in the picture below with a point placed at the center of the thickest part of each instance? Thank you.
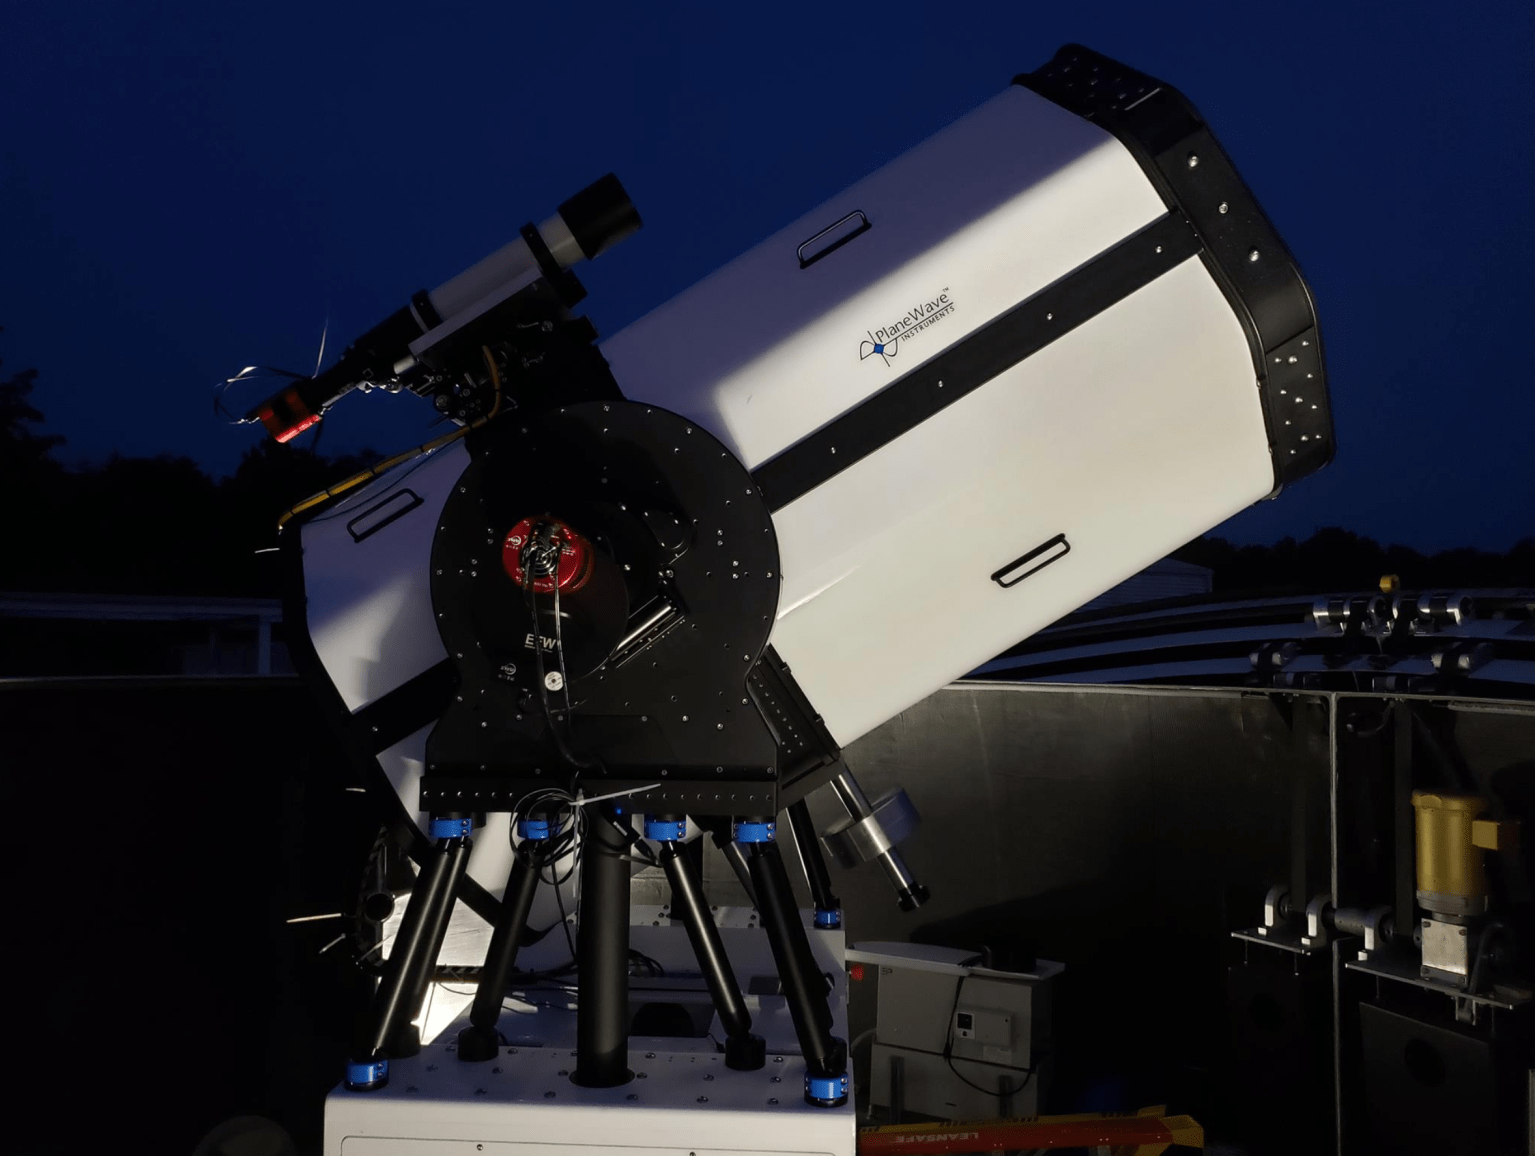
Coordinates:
(480, 1040)
(743, 1051)
(737, 860)
(909, 893)
(719, 831)
(602, 1009)
(851, 795)
(804, 987)
(440, 915)
(652, 621)
(408, 968)
(828, 908)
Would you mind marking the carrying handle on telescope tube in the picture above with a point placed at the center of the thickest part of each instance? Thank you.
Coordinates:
(863, 227)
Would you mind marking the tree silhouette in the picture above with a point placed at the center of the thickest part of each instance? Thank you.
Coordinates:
(29, 477)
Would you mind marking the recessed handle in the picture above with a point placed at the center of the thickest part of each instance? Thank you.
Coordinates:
(1032, 562)
(392, 508)
(832, 238)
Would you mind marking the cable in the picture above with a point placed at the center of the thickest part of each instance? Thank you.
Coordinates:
(249, 373)
(394, 484)
(559, 646)
(652, 967)
(540, 558)
(568, 821)
(387, 464)
(948, 1052)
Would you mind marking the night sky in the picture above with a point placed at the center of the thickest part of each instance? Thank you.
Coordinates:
(188, 190)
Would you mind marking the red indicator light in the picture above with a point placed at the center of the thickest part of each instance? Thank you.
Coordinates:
(286, 415)
(292, 432)
(855, 972)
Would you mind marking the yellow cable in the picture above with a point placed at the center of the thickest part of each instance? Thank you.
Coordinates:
(387, 464)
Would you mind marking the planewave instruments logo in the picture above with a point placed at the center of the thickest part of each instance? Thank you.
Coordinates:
(888, 340)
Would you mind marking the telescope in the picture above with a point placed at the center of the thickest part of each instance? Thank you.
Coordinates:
(418, 346)
(652, 586)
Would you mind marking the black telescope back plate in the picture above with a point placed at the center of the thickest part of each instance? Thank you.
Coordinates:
(673, 518)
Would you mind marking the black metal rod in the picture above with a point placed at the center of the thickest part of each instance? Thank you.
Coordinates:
(804, 987)
(409, 967)
(809, 845)
(737, 860)
(908, 892)
(602, 1009)
(438, 918)
(479, 1041)
(688, 900)
(719, 830)
(1404, 820)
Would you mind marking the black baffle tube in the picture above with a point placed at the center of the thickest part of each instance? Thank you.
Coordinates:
(688, 900)
(602, 1007)
(409, 967)
(804, 987)
(809, 845)
(479, 1041)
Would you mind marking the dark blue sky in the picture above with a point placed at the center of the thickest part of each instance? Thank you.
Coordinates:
(187, 190)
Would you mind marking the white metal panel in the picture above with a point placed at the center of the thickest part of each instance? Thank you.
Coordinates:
(683, 1099)
(992, 209)
(1136, 432)
(370, 601)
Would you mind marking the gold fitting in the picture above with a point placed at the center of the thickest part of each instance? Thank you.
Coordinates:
(1390, 583)
(1491, 836)
(1449, 853)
